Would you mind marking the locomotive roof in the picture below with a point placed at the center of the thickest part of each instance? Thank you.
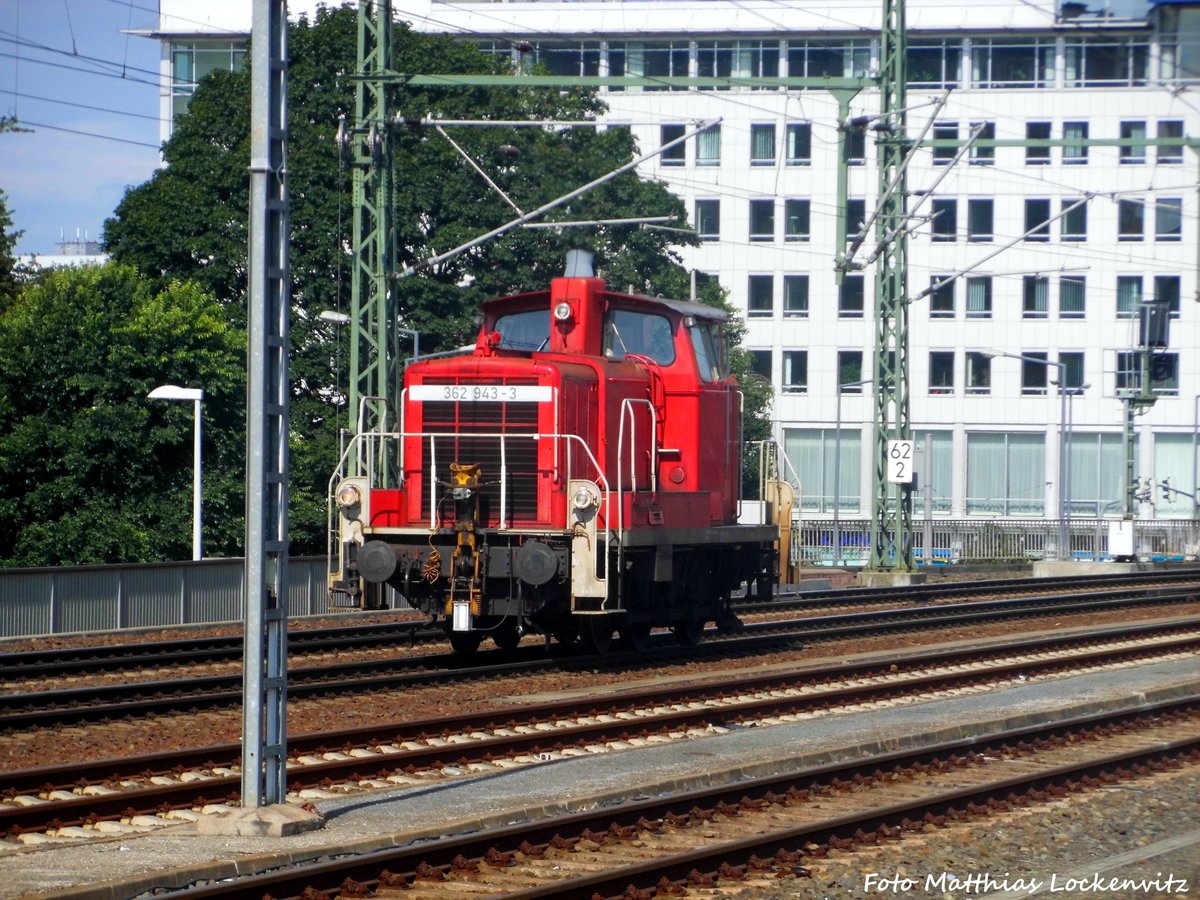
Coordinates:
(683, 307)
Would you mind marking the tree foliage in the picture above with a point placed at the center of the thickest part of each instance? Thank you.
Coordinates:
(189, 221)
(90, 470)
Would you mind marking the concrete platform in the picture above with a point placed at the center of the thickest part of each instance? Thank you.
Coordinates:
(130, 866)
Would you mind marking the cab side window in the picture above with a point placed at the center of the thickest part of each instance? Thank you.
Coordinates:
(629, 332)
(708, 342)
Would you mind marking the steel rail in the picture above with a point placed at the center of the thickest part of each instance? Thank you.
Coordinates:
(106, 702)
(692, 715)
(403, 862)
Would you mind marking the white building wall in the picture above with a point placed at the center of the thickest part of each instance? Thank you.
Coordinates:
(1008, 181)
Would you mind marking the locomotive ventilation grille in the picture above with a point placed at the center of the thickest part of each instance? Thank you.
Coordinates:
(463, 423)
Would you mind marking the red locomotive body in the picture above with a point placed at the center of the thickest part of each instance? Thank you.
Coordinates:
(577, 474)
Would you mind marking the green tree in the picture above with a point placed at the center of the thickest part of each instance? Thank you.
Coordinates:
(189, 221)
(9, 270)
(90, 470)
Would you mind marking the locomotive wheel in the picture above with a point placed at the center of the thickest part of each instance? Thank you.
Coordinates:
(465, 642)
(596, 633)
(689, 633)
(635, 635)
(507, 637)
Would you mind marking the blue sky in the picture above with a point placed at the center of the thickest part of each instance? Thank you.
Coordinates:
(72, 170)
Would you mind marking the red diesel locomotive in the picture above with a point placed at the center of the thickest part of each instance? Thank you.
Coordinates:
(577, 476)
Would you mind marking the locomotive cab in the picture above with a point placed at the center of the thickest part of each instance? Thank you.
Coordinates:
(576, 475)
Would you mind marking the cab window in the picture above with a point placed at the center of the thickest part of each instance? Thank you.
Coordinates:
(629, 332)
(708, 342)
(528, 330)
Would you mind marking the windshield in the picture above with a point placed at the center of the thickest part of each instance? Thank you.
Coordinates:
(528, 330)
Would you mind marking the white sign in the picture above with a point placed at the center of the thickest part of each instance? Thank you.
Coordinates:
(481, 393)
(900, 462)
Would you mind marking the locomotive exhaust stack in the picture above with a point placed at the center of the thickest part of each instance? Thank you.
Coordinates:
(577, 476)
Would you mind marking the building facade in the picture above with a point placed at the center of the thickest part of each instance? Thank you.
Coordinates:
(1044, 247)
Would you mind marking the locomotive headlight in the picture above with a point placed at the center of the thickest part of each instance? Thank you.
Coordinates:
(461, 493)
(348, 496)
(562, 312)
(583, 499)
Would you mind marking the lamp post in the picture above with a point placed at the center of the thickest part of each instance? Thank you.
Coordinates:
(1063, 528)
(837, 472)
(174, 392)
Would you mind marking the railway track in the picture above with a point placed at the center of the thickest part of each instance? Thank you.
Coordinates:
(83, 660)
(760, 830)
(109, 702)
(145, 791)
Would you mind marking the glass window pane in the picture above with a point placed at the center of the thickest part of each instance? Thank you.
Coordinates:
(799, 144)
(797, 215)
(762, 145)
(1072, 296)
(761, 295)
(1168, 219)
(795, 295)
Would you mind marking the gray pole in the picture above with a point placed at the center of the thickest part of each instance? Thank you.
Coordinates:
(1064, 531)
(264, 718)
(928, 476)
(837, 483)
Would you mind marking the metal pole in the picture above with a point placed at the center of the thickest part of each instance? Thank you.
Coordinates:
(1064, 534)
(197, 481)
(928, 476)
(1196, 466)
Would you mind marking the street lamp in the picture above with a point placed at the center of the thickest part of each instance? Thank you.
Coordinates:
(174, 392)
(837, 472)
(1064, 533)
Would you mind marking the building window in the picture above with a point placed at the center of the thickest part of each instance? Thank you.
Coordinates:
(1074, 223)
(1036, 297)
(795, 371)
(980, 217)
(1172, 129)
(762, 220)
(944, 131)
(856, 146)
(938, 472)
(838, 59)
(708, 147)
(1129, 296)
(760, 364)
(941, 297)
(1075, 153)
(979, 297)
(941, 371)
(983, 156)
(979, 373)
(762, 145)
(850, 297)
(797, 215)
(1099, 62)
(672, 156)
(737, 59)
(1072, 369)
(1037, 220)
(760, 295)
(813, 451)
(660, 59)
(1097, 467)
(1072, 293)
(799, 144)
(944, 222)
(1034, 375)
(935, 63)
(569, 58)
(1037, 131)
(1164, 372)
(1168, 219)
(192, 60)
(708, 219)
(1131, 219)
(1167, 290)
(1006, 473)
(1009, 63)
(795, 296)
(856, 217)
(850, 374)
(1133, 154)
(1173, 460)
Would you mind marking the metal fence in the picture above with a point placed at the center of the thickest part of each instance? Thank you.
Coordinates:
(156, 595)
(954, 541)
